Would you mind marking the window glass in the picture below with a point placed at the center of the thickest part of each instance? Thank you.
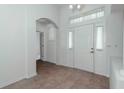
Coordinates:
(86, 17)
(95, 14)
(75, 20)
(99, 38)
(100, 14)
(78, 20)
(81, 19)
(70, 43)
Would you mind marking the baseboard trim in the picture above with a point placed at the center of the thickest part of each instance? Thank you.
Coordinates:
(6, 83)
(31, 75)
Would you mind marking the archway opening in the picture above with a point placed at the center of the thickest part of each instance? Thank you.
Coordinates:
(46, 39)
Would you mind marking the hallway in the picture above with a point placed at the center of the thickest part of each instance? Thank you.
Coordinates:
(51, 76)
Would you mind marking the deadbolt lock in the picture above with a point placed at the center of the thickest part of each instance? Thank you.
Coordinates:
(92, 50)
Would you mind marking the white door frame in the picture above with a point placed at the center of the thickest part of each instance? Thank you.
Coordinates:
(94, 29)
(42, 44)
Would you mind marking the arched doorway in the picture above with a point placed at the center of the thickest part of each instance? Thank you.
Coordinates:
(46, 31)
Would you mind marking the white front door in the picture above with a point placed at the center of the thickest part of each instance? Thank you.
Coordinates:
(83, 48)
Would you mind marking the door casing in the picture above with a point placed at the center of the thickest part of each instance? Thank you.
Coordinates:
(98, 67)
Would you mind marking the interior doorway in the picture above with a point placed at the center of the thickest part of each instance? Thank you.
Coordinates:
(46, 31)
(42, 45)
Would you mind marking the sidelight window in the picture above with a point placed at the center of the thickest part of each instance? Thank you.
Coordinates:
(70, 39)
(99, 38)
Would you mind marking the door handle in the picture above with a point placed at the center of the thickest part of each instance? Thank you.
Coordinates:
(92, 50)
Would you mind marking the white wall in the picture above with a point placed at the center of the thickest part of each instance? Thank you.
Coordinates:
(116, 24)
(34, 12)
(114, 34)
(18, 39)
(12, 43)
(114, 37)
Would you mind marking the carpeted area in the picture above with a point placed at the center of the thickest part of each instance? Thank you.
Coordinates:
(51, 76)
